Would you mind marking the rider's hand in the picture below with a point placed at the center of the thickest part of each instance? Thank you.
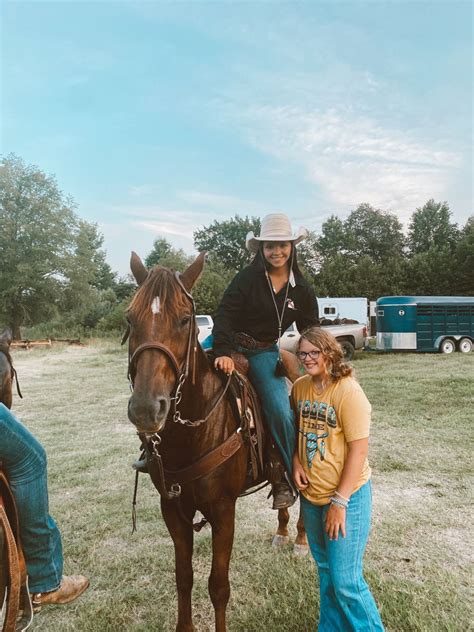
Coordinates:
(225, 364)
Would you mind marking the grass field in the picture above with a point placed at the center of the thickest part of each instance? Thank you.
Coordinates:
(419, 556)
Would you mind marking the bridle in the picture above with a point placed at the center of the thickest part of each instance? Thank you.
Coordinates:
(181, 372)
(14, 375)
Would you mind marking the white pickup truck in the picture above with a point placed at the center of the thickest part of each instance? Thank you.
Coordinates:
(350, 336)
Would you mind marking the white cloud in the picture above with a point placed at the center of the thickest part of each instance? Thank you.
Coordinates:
(352, 158)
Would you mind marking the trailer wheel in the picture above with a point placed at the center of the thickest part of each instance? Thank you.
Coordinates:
(447, 346)
(465, 345)
(347, 349)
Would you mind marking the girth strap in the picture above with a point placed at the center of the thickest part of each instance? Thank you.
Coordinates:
(209, 462)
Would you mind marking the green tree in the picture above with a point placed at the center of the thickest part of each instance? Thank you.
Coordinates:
(373, 233)
(462, 275)
(309, 256)
(431, 227)
(360, 256)
(430, 273)
(164, 254)
(37, 239)
(210, 287)
(226, 240)
(87, 273)
(333, 240)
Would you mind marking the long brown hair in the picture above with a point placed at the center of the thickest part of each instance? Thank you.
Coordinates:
(331, 350)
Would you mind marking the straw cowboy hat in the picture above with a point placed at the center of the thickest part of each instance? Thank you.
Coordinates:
(275, 227)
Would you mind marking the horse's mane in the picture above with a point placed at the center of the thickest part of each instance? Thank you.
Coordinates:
(160, 282)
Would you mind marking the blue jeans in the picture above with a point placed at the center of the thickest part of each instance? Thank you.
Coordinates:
(346, 603)
(24, 460)
(273, 394)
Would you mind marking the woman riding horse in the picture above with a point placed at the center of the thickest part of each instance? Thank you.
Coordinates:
(261, 302)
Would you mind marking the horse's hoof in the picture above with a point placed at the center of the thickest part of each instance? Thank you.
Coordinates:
(300, 550)
(280, 540)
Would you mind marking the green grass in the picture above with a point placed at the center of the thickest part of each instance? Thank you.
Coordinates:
(417, 562)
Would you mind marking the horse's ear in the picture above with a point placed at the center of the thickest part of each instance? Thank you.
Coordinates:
(138, 269)
(192, 274)
(6, 337)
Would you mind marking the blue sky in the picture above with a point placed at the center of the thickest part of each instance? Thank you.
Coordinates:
(160, 117)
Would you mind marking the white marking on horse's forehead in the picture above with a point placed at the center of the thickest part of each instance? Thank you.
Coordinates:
(156, 305)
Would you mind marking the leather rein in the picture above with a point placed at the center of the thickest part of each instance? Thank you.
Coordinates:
(151, 442)
(14, 375)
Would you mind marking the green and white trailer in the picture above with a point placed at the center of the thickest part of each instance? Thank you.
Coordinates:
(425, 323)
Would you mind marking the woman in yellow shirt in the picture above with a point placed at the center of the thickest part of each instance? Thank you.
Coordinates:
(331, 470)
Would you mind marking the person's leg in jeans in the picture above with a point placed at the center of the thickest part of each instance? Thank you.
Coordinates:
(24, 459)
(347, 605)
(273, 393)
(345, 556)
(331, 617)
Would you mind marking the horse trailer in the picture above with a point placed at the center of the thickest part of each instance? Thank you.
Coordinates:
(425, 323)
(354, 308)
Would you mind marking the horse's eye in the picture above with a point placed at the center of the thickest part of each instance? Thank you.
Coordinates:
(185, 320)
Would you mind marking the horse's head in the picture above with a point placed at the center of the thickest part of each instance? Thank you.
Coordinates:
(162, 335)
(6, 368)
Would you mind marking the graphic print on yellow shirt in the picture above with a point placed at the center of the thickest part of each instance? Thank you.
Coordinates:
(326, 422)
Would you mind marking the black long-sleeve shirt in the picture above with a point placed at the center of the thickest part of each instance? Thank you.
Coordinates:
(247, 306)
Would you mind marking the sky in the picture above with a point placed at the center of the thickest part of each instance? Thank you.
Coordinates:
(160, 117)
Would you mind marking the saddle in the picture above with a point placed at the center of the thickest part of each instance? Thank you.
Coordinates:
(15, 602)
(265, 459)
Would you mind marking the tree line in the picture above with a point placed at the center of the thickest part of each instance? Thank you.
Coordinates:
(55, 281)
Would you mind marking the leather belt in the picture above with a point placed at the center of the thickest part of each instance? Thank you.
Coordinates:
(244, 340)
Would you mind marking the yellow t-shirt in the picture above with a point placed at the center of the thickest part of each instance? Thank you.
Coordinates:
(326, 422)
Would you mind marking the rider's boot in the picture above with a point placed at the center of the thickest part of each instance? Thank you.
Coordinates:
(283, 493)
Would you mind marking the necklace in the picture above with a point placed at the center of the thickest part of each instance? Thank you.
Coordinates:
(321, 387)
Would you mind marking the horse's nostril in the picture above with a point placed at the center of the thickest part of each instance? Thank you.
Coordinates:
(147, 413)
(162, 408)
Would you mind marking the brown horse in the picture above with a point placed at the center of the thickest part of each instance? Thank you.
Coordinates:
(187, 426)
(7, 372)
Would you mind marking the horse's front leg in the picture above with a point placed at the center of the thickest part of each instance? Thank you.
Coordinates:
(181, 532)
(282, 537)
(222, 520)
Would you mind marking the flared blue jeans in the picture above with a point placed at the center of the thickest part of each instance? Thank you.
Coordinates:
(346, 603)
(24, 460)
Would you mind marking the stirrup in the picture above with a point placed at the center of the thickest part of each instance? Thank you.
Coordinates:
(140, 465)
(283, 495)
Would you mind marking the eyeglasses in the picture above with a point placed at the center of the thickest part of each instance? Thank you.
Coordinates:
(302, 355)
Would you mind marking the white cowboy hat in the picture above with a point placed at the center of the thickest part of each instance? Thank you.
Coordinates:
(275, 227)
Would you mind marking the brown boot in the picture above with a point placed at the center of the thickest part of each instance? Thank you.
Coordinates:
(71, 587)
(283, 495)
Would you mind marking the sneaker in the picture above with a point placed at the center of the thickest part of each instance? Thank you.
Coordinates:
(283, 496)
(71, 587)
